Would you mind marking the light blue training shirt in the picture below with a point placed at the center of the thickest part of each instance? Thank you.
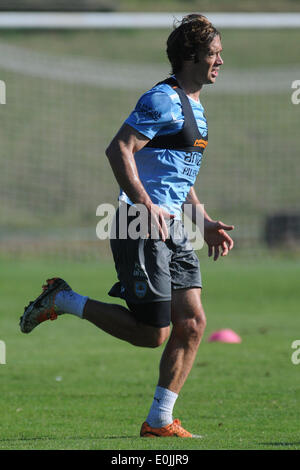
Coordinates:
(167, 175)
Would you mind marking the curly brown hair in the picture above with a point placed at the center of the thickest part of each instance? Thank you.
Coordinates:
(189, 38)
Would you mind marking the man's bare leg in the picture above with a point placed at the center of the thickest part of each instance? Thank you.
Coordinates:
(119, 322)
(189, 323)
(176, 362)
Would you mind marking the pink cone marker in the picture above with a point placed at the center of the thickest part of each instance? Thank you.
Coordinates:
(225, 336)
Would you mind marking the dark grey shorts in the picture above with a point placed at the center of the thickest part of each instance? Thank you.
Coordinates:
(148, 269)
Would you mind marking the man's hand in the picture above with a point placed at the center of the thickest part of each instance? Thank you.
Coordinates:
(217, 239)
(157, 217)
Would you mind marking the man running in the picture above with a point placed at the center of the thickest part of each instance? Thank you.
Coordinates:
(155, 158)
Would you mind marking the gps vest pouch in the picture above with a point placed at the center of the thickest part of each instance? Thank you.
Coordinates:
(189, 138)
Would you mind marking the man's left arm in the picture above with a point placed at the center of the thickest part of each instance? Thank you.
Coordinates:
(218, 241)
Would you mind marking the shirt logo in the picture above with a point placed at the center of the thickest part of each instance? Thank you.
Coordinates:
(148, 112)
(200, 143)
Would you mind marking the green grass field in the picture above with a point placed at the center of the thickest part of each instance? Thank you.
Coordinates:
(167, 5)
(68, 385)
(206, 5)
(242, 48)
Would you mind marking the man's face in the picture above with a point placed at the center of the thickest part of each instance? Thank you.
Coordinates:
(207, 69)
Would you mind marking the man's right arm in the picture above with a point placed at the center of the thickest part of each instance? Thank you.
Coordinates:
(120, 153)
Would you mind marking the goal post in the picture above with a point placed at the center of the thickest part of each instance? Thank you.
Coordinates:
(96, 20)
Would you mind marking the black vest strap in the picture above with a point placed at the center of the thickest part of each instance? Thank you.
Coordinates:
(189, 138)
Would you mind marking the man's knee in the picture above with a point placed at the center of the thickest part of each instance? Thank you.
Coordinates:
(191, 327)
(188, 316)
(151, 337)
(199, 323)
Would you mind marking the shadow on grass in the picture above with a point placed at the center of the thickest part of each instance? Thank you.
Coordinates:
(45, 438)
(280, 444)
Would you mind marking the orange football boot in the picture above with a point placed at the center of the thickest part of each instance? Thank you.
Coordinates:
(43, 307)
(171, 430)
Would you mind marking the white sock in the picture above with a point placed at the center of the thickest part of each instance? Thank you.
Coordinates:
(161, 411)
(69, 301)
